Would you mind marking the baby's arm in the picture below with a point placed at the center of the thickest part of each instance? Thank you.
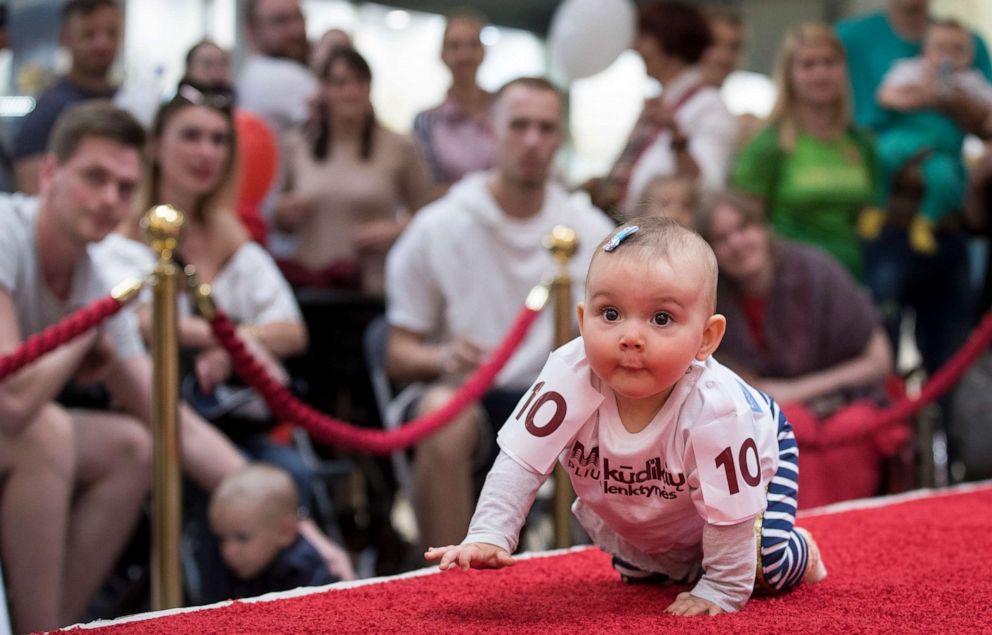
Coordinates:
(909, 85)
(730, 559)
(492, 536)
(907, 97)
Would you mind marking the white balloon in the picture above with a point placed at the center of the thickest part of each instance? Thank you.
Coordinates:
(586, 36)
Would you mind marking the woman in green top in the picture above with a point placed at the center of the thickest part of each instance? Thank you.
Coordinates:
(813, 170)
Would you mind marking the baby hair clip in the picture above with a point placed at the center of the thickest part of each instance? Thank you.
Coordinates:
(620, 236)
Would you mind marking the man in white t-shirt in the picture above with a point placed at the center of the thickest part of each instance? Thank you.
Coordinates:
(56, 558)
(459, 275)
(74, 481)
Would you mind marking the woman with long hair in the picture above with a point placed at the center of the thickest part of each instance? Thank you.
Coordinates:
(802, 330)
(352, 184)
(812, 168)
(192, 165)
(208, 64)
(799, 326)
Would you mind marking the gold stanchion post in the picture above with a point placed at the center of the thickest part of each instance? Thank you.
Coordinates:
(562, 242)
(162, 225)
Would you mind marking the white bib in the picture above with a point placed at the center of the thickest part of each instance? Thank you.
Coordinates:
(706, 457)
(550, 414)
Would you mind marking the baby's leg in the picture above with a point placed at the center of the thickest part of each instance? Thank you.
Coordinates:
(945, 182)
(785, 552)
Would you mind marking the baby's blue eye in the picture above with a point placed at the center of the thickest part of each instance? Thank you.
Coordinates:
(661, 319)
(610, 314)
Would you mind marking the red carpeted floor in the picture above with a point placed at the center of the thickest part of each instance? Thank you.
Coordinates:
(910, 566)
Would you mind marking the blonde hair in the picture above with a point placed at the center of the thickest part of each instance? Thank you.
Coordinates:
(261, 484)
(784, 111)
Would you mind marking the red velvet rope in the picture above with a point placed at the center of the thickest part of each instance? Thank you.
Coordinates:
(338, 433)
(58, 334)
(862, 420)
(849, 425)
(946, 377)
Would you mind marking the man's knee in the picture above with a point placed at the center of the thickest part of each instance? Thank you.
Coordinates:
(48, 442)
(133, 448)
(456, 441)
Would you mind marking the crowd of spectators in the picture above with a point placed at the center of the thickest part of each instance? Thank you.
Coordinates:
(848, 207)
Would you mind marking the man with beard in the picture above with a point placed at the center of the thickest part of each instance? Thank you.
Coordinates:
(275, 82)
(456, 279)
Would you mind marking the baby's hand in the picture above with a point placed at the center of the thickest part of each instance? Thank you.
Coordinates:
(689, 604)
(473, 555)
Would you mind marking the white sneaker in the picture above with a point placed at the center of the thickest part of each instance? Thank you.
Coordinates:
(815, 569)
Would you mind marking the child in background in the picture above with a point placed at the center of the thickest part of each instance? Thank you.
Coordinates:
(667, 196)
(254, 514)
(671, 455)
(913, 89)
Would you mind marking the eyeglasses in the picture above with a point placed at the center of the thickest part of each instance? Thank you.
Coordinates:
(218, 99)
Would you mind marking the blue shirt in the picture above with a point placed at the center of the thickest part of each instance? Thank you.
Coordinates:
(298, 565)
(872, 45)
(32, 136)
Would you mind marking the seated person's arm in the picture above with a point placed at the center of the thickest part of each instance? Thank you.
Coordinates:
(872, 365)
(207, 454)
(24, 393)
(269, 342)
(282, 339)
(410, 357)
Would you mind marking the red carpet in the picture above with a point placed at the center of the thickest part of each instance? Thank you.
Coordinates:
(918, 565)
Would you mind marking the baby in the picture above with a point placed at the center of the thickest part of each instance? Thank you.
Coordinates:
(946, 64)
(667, 196)
(914, 88)
(253, 513)
(672, 456)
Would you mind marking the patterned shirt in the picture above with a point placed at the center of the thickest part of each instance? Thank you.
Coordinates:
(455, 142)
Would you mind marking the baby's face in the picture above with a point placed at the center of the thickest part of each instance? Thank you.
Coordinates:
(944, 44)
(249, 539)
(673, 200)
(643, 320)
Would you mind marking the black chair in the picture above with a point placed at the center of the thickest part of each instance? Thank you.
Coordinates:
(392, 406)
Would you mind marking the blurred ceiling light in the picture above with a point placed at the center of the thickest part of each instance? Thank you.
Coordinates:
(489, 35)
(397, 19)
(16, 105)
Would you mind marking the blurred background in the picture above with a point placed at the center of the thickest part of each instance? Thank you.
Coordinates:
(401, 41)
